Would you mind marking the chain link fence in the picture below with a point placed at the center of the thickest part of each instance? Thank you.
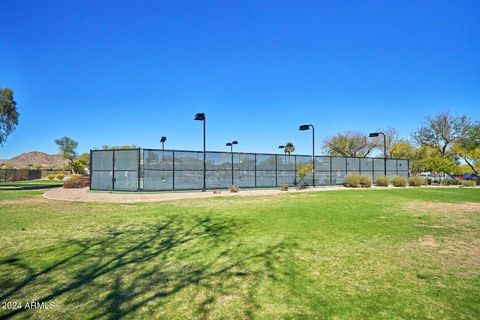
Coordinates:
(164, 170)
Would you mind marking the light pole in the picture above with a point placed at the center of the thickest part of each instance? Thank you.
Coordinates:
(230, 144)
(305, 127)
(162, 140)
(374, 135)
(284, 150)
(202, 117)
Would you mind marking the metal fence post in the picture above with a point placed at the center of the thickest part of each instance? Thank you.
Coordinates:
(408, 164)
(331, 170)
(173, 170)
(276, 171)
(373, 169)
(90, 171)
(138, 174)
(255, 168)
(295, 164)
(113, 169)
(232, 164)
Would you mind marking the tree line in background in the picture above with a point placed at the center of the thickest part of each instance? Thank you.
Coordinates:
(443, 144)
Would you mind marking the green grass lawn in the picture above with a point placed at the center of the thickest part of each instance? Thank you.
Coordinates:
(353, 254)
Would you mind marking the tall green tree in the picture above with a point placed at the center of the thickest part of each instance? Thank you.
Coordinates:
(8, 114)
(468, 147)
(81, 163)
(404, 149)
(350, 144)
(68, 149)
(441, 131)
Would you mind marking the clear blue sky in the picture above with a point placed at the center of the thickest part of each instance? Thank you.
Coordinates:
(119, 72)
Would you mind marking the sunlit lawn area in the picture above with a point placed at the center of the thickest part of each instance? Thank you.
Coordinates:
(353, 254)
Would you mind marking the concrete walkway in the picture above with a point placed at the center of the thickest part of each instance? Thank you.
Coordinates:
(128, 197)
(84, 195)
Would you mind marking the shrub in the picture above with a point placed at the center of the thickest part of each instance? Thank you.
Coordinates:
(284, 187)
(365, 181)
(60, 176)
(456, 182)
(450, 182)
(399, 181)
(468, 183)
(302, 171)
(352, 180)
(234, 188)
(76, 182)
(429, 181)
(51, 176)
(382, 181)
(216, 191)
(416, 181)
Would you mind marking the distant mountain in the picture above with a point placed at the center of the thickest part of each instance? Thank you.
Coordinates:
(35, 157)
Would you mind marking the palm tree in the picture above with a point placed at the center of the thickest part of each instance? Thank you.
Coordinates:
(289, 148)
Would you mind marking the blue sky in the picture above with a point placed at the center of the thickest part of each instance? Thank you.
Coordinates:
(120, 72)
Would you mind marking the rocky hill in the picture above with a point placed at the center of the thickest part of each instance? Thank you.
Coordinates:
(34, 158)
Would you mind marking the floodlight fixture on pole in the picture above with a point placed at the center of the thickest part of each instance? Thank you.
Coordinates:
(305, 127)
(374, 135)
(163, 140)
(284, 150)
(202, 117)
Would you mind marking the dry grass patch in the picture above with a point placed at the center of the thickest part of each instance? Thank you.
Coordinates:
(444, 208)
(25, 201)
(449, 252)
(222, 202)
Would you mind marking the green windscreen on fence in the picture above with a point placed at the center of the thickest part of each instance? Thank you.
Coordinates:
(165, 170)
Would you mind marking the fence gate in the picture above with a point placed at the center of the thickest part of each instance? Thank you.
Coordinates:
(115, 170)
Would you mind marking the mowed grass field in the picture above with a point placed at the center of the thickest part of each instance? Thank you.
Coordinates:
(352, 254)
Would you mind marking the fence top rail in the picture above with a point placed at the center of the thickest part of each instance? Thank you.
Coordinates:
(247, 153)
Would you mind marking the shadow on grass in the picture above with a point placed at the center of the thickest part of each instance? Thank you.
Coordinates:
(181, 265)
(28, 186)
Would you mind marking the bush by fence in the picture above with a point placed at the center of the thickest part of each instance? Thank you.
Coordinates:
(355, 180)
(399, 181)
(417, 181)
(365, 181)
(76, 181)
(468, 183)
(352, 180)
(382, 181)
